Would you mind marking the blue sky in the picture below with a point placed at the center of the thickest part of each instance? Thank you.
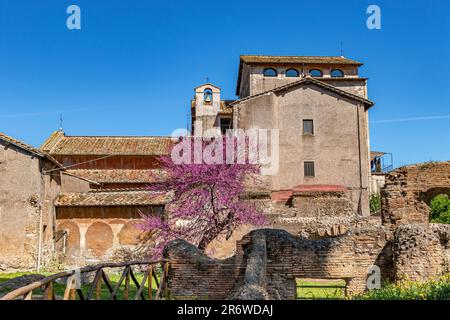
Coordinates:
(132, 67)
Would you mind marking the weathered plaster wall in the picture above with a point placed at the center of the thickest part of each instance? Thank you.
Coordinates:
(339, 146)
(70, 183)
(26, 208)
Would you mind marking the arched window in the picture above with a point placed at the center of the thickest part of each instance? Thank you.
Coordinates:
(292, 73)
(207, 95)
(315, 73)
(336, 73)
(270, 72)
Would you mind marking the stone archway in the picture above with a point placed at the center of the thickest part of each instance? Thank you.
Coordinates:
(99, 239)
(130, 234)
(430, 194)
(68, 241)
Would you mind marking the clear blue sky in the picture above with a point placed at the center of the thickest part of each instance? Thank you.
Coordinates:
(132, 67)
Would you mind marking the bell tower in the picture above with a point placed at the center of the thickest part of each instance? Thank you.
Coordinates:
(205, 110)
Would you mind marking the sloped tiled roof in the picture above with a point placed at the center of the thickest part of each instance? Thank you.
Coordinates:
(28, 148)
(60, 144)
(309, 79)
(112, 197)
(258, 59)
(118, 175)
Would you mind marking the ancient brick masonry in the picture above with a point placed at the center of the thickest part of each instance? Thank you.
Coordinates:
(409, 191)
(326, 241)
(268, 261)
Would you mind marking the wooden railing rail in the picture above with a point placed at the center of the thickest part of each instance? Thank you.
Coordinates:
(73, 292)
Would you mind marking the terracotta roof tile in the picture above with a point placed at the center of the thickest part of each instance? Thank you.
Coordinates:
(118, 175)
(125, 197)
(107, 145)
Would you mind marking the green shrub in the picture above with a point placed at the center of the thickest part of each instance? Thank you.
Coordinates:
(375, 204)
(440, 209)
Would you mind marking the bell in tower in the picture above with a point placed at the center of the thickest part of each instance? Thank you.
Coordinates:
(206, 108)
(207, 95)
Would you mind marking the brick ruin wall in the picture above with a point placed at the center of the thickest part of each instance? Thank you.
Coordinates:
(326, 240)
(408, 191)
(268, 261)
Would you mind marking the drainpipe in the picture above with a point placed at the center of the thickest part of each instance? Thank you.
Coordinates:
(41, 220)
(360, 161)
(40, 241)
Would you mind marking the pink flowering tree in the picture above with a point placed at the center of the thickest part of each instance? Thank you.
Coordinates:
(206, 199)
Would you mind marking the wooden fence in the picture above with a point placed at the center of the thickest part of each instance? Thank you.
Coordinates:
(74, 292)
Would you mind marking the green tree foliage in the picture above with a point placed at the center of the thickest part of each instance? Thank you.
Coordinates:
(440, 209)
(375, 204)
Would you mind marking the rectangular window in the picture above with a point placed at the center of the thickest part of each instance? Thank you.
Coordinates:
(309, 169)
(225, 124)
(308, 127)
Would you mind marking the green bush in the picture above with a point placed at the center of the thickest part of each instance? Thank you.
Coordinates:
(375, 204)
(440, 209)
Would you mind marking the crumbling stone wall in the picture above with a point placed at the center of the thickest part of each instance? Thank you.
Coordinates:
(309, 214)
(408, 191)
(268, 261)
(422, 251)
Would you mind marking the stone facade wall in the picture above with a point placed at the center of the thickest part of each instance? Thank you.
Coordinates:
(409, 190)
(339, 146)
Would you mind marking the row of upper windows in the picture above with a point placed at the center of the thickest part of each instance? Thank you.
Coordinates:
(293, 73)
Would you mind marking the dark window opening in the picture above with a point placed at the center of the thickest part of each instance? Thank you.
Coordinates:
(270, 72)
(308, 127)
(292, 73)
(315, 73)
(336, 73)
(309, 169)
(225, 124)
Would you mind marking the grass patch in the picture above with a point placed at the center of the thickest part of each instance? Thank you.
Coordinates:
(438, 289)
(320, 290)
